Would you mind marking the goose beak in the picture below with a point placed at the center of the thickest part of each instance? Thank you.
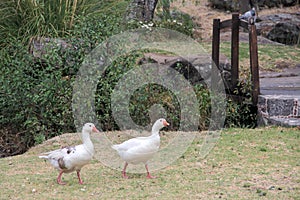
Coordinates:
(95, 129)
(165, 123)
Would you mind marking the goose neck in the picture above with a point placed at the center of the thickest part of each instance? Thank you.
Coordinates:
(87, 143)
(155, 132)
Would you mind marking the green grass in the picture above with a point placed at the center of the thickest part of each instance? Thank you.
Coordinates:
(268, 55)
(258, 163)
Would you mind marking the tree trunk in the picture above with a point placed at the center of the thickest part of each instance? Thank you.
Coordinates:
(244, 6)
(141, 10)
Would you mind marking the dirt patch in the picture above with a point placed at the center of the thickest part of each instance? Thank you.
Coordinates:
(202, 14)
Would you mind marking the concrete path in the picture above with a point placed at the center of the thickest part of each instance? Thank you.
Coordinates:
(286, 82)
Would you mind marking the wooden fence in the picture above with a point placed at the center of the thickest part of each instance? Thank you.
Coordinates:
(235, 23)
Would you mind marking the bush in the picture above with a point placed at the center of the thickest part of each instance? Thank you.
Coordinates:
(144, 97)
(180, 22)
(36, 95)
(241, 112)
(36, 91)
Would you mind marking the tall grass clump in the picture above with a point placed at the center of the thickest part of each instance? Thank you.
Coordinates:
(24, 19)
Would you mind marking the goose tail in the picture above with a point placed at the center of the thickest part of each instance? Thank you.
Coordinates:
(115, 147)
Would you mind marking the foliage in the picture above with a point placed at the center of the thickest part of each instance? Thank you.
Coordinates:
(36, 95)
(178, 21)
(144, 97)
(183, 25)
(240, 111)
(36, 86)
(48, 18)
(240, 114)
(106, 85)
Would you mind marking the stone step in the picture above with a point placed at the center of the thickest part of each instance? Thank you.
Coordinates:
(282, 110)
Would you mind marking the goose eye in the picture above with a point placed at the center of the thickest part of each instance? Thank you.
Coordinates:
(90, 125)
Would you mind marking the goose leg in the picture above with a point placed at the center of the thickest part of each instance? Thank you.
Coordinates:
(59, 181)
(148, 173)
(78, 175)
(124, 170)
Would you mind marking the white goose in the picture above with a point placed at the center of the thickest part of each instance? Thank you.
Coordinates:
(141, 149)
(69, 159)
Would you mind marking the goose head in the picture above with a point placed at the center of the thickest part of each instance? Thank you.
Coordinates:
(159, 124)
(89, 127)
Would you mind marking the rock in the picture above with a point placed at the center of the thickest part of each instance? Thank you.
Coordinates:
(195, 68)
(272, 187)
(282, 27)
(40, 46)
(275, 3)
(189, 67)
(225, 69)
(285, 33)
(226, 5)
(188, 70)
(282, 110)
(140, 10)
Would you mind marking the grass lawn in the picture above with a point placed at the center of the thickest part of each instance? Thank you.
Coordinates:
(262, 163)
(270, 56)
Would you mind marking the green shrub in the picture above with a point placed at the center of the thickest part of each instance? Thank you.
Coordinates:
(144, 97)
(36, 92)
(180, 22)
(241, 112)
(36, 95)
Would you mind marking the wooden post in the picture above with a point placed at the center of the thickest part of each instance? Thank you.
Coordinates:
(215, 54)
(216, 42)
(254, 64)
(235, 50)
